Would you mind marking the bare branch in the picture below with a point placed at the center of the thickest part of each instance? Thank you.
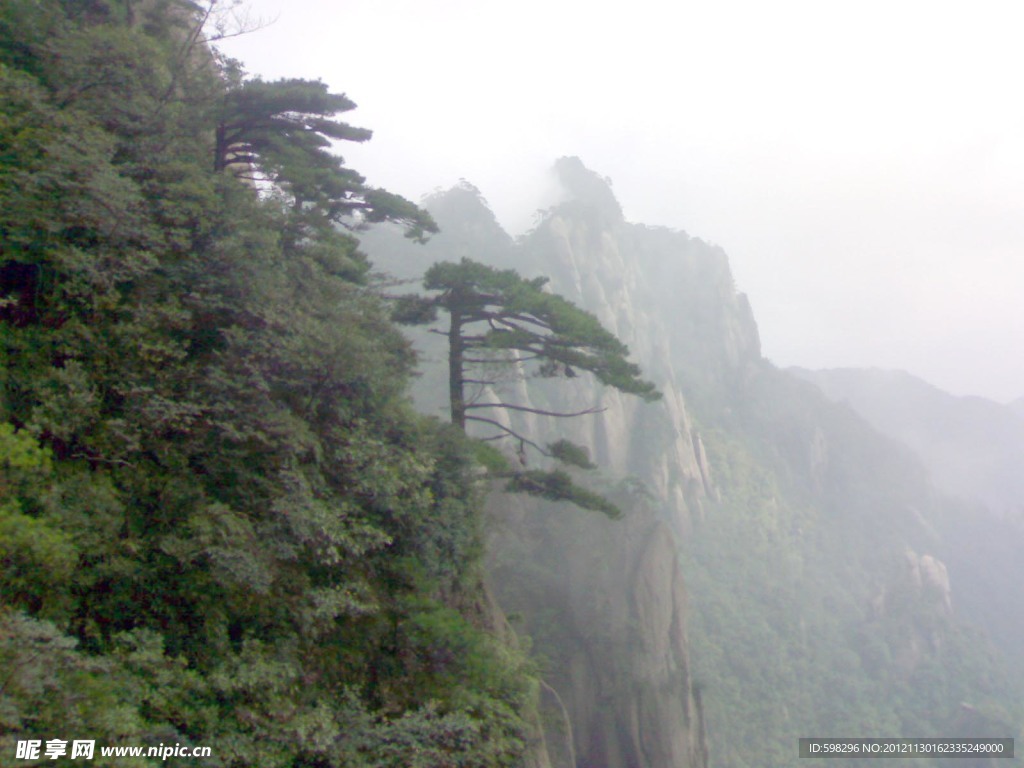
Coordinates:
(481, 315)
(537, 411)
(228, 21)
(511, 432)
(483, 361)
(507, 319)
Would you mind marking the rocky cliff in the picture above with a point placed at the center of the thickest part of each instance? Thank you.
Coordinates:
(792, 519)
(670, 298)
(618, 649)
(604, 601)
(605, 605)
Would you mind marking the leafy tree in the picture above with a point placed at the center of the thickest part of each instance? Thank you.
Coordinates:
(500, 320)
(220, 521)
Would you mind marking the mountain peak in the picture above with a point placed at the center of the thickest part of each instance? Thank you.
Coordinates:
(585, 187)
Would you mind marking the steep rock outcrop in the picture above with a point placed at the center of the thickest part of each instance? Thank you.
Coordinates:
(604, 601)
(807, 528)
(619, 656)
(916, 605)
(670, 298)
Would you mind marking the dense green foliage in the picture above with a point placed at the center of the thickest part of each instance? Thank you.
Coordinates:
(220, 522)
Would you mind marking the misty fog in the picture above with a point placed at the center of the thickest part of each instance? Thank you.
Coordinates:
(861, 164)
(398, 384)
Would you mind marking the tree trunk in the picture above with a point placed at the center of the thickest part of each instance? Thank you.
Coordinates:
(220, 151)
(456, 350)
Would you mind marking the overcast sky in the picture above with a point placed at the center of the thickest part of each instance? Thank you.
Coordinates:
(862, 163)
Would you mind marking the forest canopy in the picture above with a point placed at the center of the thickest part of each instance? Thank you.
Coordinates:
(221, 524)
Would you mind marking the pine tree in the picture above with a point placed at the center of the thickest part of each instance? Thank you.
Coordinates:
(282, 132)
(499, 319)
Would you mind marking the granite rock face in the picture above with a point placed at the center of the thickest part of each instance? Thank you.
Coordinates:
(604, 601)
(671, 299)
(605, 604)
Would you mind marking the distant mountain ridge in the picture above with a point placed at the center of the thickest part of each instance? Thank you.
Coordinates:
(1017, 406)
(971, 446)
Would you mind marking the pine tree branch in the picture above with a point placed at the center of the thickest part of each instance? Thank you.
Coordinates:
(538, 411)
(483, 361)
(506, 319)
(482, 315)
(510, 432)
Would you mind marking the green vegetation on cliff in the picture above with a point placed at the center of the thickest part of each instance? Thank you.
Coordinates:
(221, 524)
(822, 605)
